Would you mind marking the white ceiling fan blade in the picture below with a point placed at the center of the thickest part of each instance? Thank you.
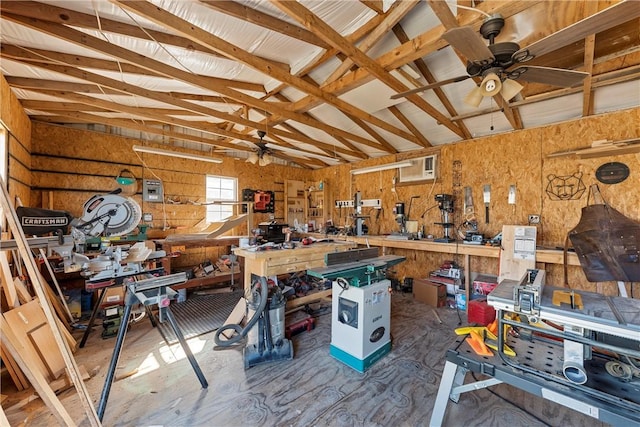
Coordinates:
(548, 75)
(430, 86)
(469, 43)
(608, 18)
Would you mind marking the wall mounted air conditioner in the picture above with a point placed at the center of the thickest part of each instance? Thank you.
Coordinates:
(423, 168)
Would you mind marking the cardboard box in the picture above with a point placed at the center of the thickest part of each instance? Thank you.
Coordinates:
(433, 294)
(114, 296)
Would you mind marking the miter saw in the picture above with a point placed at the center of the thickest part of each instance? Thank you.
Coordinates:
(108, 215)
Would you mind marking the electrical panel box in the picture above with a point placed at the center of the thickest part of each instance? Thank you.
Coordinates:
(152, 191)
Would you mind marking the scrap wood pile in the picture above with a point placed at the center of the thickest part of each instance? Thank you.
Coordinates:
(36, 344)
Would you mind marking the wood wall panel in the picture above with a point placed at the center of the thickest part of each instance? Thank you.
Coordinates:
(518, 158)
(19, 139)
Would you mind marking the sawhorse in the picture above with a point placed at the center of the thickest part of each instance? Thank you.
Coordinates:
(148, 292)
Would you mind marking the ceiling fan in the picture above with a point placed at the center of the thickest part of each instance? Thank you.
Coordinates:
(262, 156)
(494, 62)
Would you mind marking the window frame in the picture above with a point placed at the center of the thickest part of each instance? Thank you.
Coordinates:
(217, 212)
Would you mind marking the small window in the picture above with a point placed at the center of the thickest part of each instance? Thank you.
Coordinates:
(220, 189)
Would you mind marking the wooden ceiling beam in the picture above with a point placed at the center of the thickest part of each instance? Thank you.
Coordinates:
(315, 24)
(51, 57)
(263, 20)
(145, 113)
(589, 54)
(27, 83)
(376, 5)
(422, 67)
(101, 46)
(423, 44)
(130, 89)
(198, 35)
(397, 11)
(62, 16)
(403, 119)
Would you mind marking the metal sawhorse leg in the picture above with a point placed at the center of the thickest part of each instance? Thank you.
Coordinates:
(451, 387)
(148, 294)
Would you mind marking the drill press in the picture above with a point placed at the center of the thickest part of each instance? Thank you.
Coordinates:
(445, 204)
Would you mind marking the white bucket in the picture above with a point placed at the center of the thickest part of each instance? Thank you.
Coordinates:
(244, 242)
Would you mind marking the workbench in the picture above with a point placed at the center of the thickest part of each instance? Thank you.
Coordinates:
(271, 262)
(545, 256)
(538, 365)
(620, 409)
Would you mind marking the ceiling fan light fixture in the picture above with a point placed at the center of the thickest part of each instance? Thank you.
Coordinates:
(265, 159)
(474, 98)
(253, 158)
(510, 88)
(490, 85)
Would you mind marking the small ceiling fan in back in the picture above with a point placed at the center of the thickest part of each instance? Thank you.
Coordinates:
(262, 155)
(498, 62)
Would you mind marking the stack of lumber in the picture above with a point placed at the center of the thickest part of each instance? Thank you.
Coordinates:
(35, 340)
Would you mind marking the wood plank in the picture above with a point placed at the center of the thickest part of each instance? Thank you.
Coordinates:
(55, 303)
(27, 320)
(32, 269)
(23, 293)
(8, 287)
(25, 361)
(297, 302)
(237, 314)
(63, 303)
(19, 380)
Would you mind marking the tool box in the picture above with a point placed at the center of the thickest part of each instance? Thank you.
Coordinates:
(480, 312)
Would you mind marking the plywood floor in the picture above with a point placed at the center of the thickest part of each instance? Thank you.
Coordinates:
(311, 390)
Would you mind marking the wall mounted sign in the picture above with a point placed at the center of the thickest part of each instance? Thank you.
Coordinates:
(612, 173)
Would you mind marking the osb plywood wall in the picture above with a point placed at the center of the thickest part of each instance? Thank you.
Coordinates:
(19, 142)
(517, 158)
(71, 173)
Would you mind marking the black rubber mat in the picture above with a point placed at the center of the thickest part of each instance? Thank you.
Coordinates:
(200, 314)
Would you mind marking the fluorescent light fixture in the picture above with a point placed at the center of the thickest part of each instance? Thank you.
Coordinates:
(385, 167)
(161, 152)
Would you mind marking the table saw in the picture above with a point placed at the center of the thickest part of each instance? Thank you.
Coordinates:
(361, 305)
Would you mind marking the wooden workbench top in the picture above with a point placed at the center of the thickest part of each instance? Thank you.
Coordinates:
(300, 250)
(551, 256)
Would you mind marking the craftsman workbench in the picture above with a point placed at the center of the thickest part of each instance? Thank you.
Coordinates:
(271, 262)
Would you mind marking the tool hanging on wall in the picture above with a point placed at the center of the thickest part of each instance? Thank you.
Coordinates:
(486, 194)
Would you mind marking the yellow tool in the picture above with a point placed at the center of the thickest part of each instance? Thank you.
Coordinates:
(567, 297)
(476, 341)
(489, 339)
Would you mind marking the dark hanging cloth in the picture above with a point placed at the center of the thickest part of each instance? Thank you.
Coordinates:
(607, 244)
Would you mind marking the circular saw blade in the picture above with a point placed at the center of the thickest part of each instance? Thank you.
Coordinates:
(116, 215)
